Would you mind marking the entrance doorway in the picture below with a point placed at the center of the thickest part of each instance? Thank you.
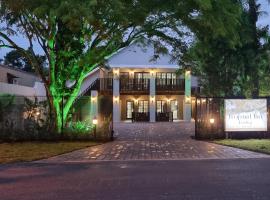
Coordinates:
(130, 109)
(174, 109)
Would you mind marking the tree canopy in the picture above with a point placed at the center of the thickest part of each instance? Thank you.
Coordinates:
(239, 70)
(79, 35)
(15, 59)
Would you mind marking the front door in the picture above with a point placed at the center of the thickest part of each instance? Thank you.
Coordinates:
(130, 109)
(174, 109)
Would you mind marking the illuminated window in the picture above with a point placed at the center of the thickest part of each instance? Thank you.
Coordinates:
(161, 106)
(143, 106)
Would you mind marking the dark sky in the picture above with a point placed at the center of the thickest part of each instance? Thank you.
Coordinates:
(264, 20)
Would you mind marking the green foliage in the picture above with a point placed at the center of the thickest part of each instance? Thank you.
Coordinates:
(80, 127)
(15, 59)
(78, 36)
(238, 70)
(6, 101)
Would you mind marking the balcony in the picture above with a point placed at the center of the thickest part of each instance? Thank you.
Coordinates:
(170, 86)
(134, 86)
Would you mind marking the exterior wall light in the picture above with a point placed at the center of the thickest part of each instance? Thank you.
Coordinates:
(116, 99)
(188, 72)
(116, 73)
(95, 121)
(93, 99)
(153, 99)
(188, 99)
(212, 120)
(131, 74)
(152, 72)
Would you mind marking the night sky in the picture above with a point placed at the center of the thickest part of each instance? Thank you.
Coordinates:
(264, 20)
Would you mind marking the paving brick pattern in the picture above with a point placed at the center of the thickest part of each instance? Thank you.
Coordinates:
(155, 141)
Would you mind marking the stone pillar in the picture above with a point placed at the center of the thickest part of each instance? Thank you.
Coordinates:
(116, 96)
(152, 97)
(187, 100)
(94, 105)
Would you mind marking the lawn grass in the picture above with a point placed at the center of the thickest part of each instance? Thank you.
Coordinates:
(30, 151)
(257, 145)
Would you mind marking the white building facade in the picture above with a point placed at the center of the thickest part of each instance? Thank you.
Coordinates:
(143, 88)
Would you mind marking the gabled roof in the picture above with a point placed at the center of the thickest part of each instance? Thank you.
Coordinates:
(139, 55)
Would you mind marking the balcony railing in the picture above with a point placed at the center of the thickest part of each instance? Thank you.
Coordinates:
(140, 116)
(106, 84)
(164, 116)
(142, 86)
(134, 86)
(170, 85)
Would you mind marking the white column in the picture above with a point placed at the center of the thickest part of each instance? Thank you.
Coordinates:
(116, 96)
(152, 97)
(187, 100)
(94, 104)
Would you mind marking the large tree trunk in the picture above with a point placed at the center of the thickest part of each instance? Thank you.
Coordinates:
(253, 17)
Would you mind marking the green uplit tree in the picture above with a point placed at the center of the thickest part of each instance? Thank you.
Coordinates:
(78, 36)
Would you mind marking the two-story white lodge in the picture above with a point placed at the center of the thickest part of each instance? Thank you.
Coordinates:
(143, 89)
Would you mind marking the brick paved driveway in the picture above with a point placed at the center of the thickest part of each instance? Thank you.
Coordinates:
(155, 141)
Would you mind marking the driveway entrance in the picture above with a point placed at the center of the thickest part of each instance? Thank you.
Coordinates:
(155, 141)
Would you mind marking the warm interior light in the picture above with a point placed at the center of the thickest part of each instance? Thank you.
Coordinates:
(95, 121)
(203, 101)
(212, 120)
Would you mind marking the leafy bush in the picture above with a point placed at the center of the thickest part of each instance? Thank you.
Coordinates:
(80, 127)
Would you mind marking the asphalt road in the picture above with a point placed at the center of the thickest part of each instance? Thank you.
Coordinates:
(182, 180)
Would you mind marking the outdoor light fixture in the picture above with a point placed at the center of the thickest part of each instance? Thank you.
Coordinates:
(204, 100)
(136, 101)
(187, 99)
(93, 98)
(212, 120)
(131, 74)
(95, 121)
(116, 73)
(152, 72)
(116, 99)
(152, 99)
(188, 72)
